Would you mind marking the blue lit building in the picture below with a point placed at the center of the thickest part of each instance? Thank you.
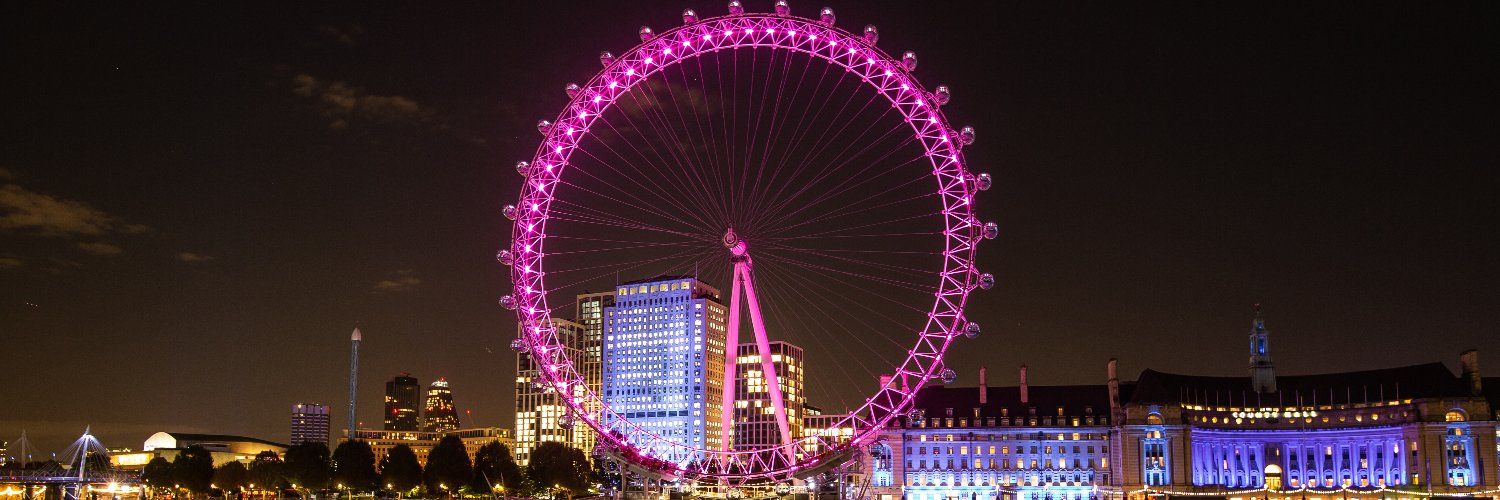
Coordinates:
(1020, 442)
(1405, 432)
(663, 360)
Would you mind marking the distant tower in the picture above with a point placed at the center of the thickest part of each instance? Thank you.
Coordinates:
(1262, 374)
(439, 415)
(403, 399)
(353, 376)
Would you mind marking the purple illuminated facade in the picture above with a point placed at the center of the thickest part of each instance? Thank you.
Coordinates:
(1406, 432)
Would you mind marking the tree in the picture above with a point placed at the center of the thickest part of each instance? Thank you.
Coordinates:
(493, 466)
(158, 473)
(194, 469)
(354, 466)
(231, 476)
(448, 466)
(266, 471)
(400, 469)
(554, 464)
(307, 465)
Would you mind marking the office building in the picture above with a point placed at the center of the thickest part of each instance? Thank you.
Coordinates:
(590, 315)
(309, 423)
(663, 362)
(755, 424)
(402, 395)
(539, 410)
(539, 413)
(439, 414)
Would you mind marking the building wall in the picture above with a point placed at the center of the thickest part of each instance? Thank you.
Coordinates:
(754, 419)
(942, 457)
(421, 442)
(539, 411)
(663, 354)
(1402, 444)
(309, 424)
(439, 413)
(402, 396)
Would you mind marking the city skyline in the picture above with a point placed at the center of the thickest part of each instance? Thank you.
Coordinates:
(1157, 171)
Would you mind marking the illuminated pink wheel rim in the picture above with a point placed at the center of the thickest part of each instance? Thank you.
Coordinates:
(956, 188)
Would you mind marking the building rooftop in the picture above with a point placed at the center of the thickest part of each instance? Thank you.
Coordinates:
(1428, 380)
(1075, 400)
(181, 437)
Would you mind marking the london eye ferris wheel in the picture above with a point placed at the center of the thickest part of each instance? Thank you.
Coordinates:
(789, 160)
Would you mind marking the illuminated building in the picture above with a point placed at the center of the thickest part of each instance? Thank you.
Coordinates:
(663, 360)
(1021, 442)
(402, 395)
(754, 417)
(1404, 432)
(309, 423)
(590, 312)
(539, 413)
(439, 414)
(1414, 428)
(815, 423)
(421, 442)
(223, 448)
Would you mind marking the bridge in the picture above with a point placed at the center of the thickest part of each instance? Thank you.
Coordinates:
(80, 472)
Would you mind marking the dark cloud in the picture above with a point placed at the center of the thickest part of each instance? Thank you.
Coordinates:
(342, 103)
(193, 258)
(97, 248)
(404, 281)
(22, 209)
(345, 35)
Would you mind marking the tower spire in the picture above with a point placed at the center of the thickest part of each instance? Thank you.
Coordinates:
(1262, 372)
(354, 340)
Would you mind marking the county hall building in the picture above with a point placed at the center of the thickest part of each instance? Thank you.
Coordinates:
(1405, 432)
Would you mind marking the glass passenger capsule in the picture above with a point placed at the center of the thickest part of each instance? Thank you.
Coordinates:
(941, 95)
(983, 181)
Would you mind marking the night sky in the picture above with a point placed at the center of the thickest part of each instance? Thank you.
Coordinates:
(197, 205)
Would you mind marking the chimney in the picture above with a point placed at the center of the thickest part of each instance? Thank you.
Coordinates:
(1024, 395)
(1470, 361)
(984, 387)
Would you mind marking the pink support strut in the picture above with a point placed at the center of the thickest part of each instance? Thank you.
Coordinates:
(740, 256)
(731, 350)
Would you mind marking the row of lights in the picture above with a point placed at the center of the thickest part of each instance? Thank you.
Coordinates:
(1273, 414)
